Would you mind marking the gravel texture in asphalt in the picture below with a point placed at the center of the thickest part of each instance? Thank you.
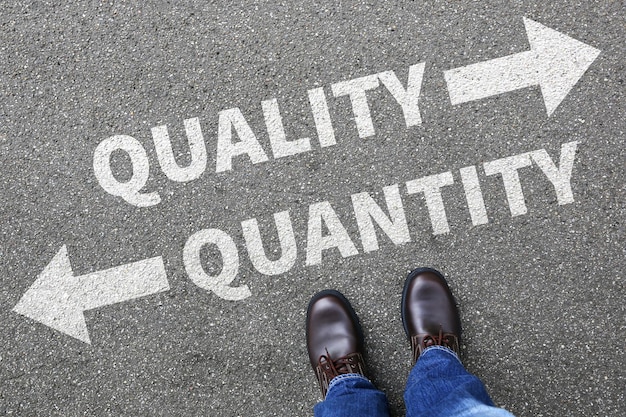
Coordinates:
(539, 280)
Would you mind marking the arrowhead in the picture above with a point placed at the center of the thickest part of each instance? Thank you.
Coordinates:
(560, 61)
(51, 299)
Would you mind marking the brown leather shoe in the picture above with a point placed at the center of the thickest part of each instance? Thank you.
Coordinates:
(334, 338)
(429, 312)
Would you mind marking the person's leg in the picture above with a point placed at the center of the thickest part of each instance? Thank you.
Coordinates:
(335, 347)
(352, 396)
(438, 384)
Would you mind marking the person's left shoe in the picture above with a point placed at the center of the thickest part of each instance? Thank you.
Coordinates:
(334, 338)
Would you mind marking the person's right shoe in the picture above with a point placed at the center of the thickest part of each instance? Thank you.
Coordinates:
(429, 312)
(334, 338)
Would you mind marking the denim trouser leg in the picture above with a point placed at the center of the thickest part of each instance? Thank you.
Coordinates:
(352, 395)
(439, 385)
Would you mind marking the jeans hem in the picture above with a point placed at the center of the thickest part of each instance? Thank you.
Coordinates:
(336, 380)
(443, 349)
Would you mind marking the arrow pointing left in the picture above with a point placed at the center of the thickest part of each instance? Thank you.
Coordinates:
(58, 299)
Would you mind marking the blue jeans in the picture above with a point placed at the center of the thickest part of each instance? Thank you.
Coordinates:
(438, 385)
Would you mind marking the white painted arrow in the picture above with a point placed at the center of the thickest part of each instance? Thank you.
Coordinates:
(58, 298)
(555, 62)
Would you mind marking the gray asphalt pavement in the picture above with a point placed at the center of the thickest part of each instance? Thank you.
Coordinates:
(307, 145)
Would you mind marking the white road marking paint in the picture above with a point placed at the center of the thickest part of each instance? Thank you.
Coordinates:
(393, 224)
(555, 62)
(286, 237)
(474, 195)
(220, 283)
(431, 187)
(337, 237)
(232, 125)
(356, 89)
(130, 190)
(560, 176)
(321, 116)
(281, 147)
(507, 167)
(226, 149)
(407, 98)
(165, 153)
(58, 299)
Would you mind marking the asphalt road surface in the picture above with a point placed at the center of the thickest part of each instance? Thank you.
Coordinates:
(179, 178)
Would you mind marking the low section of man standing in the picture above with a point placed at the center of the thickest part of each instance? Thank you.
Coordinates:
(438, 384)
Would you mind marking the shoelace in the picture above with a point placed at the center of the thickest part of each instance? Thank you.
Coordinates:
(328, 368)
(337, 366)
(448, 340)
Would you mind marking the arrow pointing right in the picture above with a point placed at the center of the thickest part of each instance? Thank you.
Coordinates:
(555, 62)
(58, 298)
